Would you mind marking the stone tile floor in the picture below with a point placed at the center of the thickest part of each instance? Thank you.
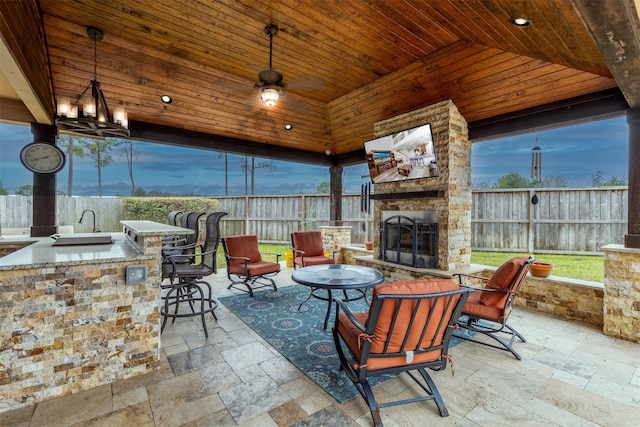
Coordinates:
(571, 375)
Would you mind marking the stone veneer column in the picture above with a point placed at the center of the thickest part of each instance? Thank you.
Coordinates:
(334, 237)
(622, 292)
(453, 153)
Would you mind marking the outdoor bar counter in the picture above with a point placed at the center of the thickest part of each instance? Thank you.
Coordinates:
(71, 319)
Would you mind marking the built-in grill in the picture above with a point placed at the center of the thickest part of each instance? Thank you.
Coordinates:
(409, 241)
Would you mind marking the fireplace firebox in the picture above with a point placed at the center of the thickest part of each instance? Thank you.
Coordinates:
(409, 240)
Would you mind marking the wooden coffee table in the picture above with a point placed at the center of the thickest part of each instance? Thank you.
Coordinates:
(336, 277)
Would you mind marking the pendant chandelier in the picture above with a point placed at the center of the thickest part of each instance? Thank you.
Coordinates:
(94, 119)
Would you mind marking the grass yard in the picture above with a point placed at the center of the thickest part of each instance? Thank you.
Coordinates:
(585, 267)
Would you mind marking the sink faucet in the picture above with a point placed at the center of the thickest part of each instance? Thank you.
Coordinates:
(95, 230)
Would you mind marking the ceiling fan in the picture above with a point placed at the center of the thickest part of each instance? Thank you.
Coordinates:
(270, 86)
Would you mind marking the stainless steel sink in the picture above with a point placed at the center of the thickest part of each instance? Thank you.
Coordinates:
(82, 239)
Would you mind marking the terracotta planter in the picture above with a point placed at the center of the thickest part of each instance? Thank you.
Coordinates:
(541, 269)
(368, 246)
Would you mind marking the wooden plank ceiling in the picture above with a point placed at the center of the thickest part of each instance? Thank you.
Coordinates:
(346, 63)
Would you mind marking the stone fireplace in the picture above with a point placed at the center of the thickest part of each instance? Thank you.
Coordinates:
(409, 238)
(447, 197)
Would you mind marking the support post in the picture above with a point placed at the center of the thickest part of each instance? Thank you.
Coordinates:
(335, 195)
(632, 239)
(44, 188)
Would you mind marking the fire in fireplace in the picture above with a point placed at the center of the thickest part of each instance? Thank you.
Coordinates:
(409, 238)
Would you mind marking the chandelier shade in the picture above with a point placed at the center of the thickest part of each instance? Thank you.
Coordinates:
(89, 115)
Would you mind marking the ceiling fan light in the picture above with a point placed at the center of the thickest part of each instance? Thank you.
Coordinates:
(270, 95)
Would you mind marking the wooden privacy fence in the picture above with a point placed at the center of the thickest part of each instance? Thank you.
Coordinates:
(563, 220)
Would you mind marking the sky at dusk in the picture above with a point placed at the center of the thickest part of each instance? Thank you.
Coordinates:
(575, 153)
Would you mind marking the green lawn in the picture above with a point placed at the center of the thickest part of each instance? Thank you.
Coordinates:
(585, 267)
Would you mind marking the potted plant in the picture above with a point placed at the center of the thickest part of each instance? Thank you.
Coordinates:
(540, 269)
(368, 246)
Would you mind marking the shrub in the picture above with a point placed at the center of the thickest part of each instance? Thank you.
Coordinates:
(157, 208)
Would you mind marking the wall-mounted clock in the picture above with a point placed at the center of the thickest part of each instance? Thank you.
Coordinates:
(40, 157)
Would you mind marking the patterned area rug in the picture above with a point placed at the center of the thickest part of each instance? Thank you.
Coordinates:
(298, 334)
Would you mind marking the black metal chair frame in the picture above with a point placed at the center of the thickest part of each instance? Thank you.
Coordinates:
(356, 369)
(491, 327)
(183, 274)
(246, 280)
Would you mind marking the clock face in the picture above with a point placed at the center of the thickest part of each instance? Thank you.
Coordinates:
(40, 157)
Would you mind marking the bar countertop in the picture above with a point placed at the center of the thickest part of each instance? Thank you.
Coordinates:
(143, 228)
(42, 253)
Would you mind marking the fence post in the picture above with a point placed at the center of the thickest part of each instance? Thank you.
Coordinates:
(303, 213)
(532, 206)
(246, 215)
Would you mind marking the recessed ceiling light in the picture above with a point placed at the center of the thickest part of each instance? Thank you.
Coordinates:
(327, 152)
(288, 126)
(166, 99)
(520, 22)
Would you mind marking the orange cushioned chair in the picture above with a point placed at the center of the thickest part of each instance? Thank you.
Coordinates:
(244, 260)
(407, 328)
(308, 249)
(488, 309)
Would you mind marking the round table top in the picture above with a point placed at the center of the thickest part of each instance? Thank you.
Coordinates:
(338, 276)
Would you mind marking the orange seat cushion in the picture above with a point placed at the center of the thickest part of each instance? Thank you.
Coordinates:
(351, 333)
(258, 268)
(308, 241)
(314, 260)
(502, 279)
(474, 307)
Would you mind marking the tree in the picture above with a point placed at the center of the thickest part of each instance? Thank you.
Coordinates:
(98, 150)
(127, 149)
(554, 181)
(25, 190)
(514, 180)
(597, 181)
(251, 168)
(3, 191)
(323, 188)
(139, 192)
(69, 144)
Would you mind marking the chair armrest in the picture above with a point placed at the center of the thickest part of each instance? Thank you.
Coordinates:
(246, 260)
(341, 305)
(172, 258)
(333, 252)
(472, 276)
(272, 253)
(301, 252)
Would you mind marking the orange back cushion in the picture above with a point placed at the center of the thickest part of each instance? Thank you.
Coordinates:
(310, 242)
(502, 279)
(385, 318)
(243, 246)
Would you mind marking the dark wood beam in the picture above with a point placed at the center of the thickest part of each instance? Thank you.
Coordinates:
(44, 188)
(141, 131)
(615, 29)
(600, 105)
(632, 238)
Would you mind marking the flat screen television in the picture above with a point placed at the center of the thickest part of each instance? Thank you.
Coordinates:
(405, 155)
